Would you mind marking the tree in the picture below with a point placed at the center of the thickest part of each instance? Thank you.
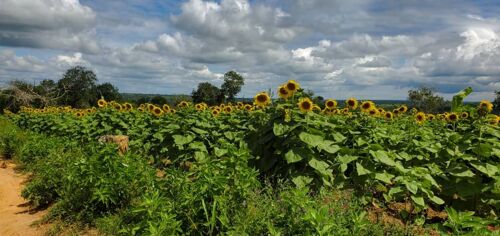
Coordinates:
(107, 91)
(425, 100)
(496, 103)
(158, 100)
(78, 84)
(207, 93)
(232, 85)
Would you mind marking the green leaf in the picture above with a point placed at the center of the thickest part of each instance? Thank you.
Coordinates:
(456, 103)
(280, 129)
(182, 140)
(384, 177)
(198, 146)
(328, 146)
(382, 156)
(486, 168)
(320, 166)
(220, 152)
(483, 149)
(302, 181)
(311, 139)
(346, 159)
(418, 200)
(412, 187)
(361, 170)
(437, 200)
(294, 155)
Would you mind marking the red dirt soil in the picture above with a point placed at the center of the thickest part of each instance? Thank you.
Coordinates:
(15, 215)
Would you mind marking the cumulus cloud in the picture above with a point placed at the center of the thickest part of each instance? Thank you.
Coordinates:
(57, 24)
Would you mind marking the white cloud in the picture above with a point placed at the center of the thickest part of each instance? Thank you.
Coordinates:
(58, 24)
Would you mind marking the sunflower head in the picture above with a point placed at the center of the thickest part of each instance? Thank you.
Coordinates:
(464, 115)
(165, 108)
(292, 86)
(345, 111)
(452, 117)
(305, 105)
(140, 109)
(283, 92)
(248, 107)
(118, 106)
(430, 117)
(80, 114)
(395, 112)
(420, 117)
(373, 112)
(150, 107)
(403, 109)
(102, 103)
(484, 107)
(414, 110)
(157, 111)
(389, 115)
(330, 103)
(240, 105)
(262, 99)
(183, 104)
(352, 103)
(228, 109)
(366, 106)
(215, 112)
(128, 106)
(199, 107)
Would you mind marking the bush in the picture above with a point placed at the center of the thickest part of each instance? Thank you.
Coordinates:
(11, 139)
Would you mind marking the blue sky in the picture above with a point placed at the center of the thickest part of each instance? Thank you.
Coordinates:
(368, 49)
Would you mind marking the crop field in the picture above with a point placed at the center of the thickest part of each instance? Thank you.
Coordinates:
(283, 166)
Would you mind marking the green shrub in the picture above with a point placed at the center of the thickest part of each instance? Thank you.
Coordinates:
(11, 139)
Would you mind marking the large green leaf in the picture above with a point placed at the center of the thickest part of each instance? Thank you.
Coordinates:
(361, 170)
(181, 140)
(456, 103)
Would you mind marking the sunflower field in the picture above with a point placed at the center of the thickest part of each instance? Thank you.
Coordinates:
(429, 165)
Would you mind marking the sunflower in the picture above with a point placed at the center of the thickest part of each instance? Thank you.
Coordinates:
(395, 112)
(118, 106)
(329, 111)
(494, 120)
(452, 117)
(150, 107)
(485, 105)
(345, 111)
(157, 111)
(228, 109)
(464, 115)
(248, 107)
(199, 107)
(366, 106)
(330, 103)
(165, 108)
(215, 112)
(88, 110)
(374, 111)
(173, 111)
(403, 109)
(352, 103)
(292, 86)
(127, 106)
(430, 117)
(239, 104)
(183, 104)
(283, 92)
(79, 114)
(262, 99)
(420, 117)
(441, 116)
(381, 110)
(142, 105)
(101, 102)
(389, 115)
(140, 109)
(414, 110)
(305, 105)
(316, 107)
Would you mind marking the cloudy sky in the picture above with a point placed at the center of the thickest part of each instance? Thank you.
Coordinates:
(367, 49)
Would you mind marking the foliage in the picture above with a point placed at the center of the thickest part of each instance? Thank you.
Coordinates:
(211, 159)
(207, 93)
(232, 84)
(425, 100)
(10, 139)
(78, 84)
(457, 102)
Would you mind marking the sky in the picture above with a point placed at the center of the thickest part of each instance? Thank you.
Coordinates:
(368, 49)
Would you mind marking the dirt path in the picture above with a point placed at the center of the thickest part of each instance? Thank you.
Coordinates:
(15, 218)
